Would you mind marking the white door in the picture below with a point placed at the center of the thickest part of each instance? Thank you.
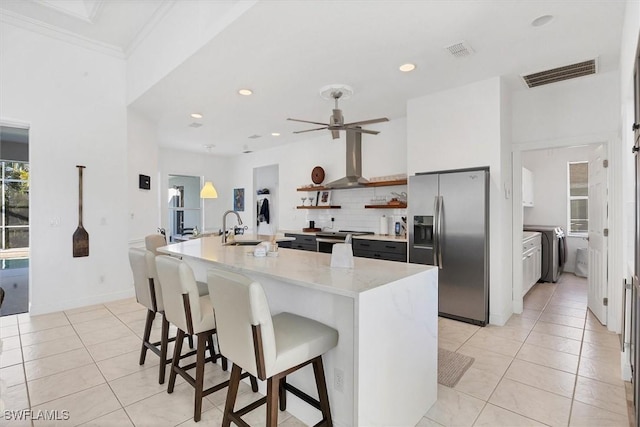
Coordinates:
(597, 275)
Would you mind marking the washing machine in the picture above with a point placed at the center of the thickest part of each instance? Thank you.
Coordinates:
(554, 250)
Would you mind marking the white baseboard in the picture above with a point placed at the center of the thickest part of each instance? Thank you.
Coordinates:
(82, 302)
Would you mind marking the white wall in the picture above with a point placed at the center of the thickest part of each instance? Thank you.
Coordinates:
(461, 128)
(182, 28)
(549, 170)
(583, 106)
(211, 168)
(382, 155)
(74, 100)
(144, 213)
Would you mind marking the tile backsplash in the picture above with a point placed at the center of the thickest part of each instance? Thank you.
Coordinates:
(353, 215)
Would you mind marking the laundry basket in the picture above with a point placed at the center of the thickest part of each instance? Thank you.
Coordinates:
(582, 262)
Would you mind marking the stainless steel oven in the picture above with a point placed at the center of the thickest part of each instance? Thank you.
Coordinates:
(326, 239)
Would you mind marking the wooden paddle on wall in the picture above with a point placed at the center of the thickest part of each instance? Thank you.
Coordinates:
(80, 236)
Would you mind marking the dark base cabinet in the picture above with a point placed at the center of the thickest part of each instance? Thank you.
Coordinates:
(380, 249)
(304, 242)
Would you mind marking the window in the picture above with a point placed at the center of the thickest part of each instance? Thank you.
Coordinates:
(14, 226)
(578, 191)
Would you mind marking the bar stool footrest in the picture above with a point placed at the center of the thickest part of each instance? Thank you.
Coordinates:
(302, 395)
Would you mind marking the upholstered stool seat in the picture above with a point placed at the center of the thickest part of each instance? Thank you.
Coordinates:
(192, 314)
(154, 241)
(269, 347)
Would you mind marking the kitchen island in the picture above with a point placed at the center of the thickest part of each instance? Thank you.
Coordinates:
(384, 370)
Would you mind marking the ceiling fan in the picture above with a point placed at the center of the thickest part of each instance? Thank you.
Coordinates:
(336, 121)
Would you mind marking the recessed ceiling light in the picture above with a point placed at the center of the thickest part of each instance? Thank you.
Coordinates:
(196, 115)
(245, 92)
(542, 20)
(405, 68)
(275, 134)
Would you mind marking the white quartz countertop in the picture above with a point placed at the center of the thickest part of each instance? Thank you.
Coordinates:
(303, 268)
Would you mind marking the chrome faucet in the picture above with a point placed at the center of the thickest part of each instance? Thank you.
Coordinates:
(224, 224)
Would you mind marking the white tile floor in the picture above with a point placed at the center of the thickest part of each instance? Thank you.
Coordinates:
(552, 365)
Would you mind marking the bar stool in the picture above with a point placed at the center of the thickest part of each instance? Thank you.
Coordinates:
(192, 314)
(153, 242)
(149, 296)
(269, 347)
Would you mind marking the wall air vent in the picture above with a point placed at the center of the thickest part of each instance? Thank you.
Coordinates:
(559, 74)
(460, 50)
(195, 125)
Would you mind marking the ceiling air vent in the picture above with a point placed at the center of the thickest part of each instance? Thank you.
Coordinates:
(460, 50)
(195, 125)
(561, 73)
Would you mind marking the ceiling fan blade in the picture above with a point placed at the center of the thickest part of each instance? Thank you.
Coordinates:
(368, 122)
(335, 134)
(311, 130)
(307, 121)
(360, 130)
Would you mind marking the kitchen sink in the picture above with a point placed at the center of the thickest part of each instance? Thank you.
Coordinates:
(243, 243)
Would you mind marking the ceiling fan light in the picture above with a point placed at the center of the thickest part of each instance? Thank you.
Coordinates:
(405, 68)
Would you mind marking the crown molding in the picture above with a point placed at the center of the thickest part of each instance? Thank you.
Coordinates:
(48, 30)
(89, 16)
(149, 26)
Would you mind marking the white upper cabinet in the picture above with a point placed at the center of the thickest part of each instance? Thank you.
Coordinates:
(527, 187)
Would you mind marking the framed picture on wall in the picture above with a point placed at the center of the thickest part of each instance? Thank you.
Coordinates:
(238, 199)
(324, 198)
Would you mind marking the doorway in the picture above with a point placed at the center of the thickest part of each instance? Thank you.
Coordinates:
(184, 206)
(265, 183)
(563, 197)
(14, 219)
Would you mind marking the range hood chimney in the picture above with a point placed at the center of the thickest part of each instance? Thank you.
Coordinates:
(354, 164)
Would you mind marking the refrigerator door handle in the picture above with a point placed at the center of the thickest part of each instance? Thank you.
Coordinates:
(436, 202)
(440, 203)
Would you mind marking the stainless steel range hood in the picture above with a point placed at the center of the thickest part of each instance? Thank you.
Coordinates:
(354, 164)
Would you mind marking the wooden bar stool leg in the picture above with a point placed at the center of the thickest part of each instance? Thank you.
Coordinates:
(321, 384)
(147, 333)
(273, 384)
(282, 393)
(164, 343)
(177, 349)
(232, 393)
(190, 338)
(254, 383)
(212, 349)
(200, 356)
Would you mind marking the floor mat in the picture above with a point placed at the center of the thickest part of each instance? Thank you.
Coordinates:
(452, 366)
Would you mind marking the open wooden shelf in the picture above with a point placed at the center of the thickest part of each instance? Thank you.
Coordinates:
(310, 189)
(387, 183)
(400, 206)
(371, 184)
(318, 207)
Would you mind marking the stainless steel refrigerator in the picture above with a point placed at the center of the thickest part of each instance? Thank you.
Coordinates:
(449, 228)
